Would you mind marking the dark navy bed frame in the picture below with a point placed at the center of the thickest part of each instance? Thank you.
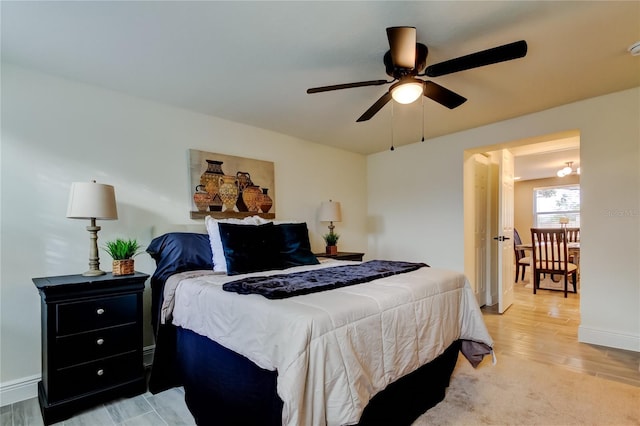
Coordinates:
(225, 388)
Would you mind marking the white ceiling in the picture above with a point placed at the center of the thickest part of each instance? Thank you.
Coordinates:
(251, 62)
(545, 163)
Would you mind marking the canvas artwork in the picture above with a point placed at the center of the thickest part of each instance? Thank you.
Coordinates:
(228, 186)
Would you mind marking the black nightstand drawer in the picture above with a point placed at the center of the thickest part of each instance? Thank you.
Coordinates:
(91, 345)
(98, 313)
(97, 375)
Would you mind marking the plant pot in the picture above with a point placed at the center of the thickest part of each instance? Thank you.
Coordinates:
(332, 250)
(123, 267)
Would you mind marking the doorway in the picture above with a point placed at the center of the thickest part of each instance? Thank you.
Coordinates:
(535, 160)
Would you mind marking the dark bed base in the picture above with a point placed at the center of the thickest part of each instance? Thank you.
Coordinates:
(224, 388)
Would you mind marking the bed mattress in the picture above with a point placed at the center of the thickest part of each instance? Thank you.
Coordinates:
(333, 350)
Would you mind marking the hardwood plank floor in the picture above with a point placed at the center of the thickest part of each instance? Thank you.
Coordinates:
(544, 328)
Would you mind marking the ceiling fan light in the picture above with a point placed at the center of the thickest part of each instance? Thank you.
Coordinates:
(407, 93)
(567, 170)
(560, 173)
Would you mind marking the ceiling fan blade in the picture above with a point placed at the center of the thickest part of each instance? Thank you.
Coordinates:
(375, 107)
(442, 95)
(347, 86)
(494, 55)
(402, 43)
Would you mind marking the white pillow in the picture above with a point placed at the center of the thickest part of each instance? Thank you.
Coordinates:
(219, 261)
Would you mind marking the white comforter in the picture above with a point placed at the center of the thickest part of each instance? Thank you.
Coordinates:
(334, 350)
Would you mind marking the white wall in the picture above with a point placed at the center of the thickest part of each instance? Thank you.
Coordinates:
(55, 132)
(416, 201)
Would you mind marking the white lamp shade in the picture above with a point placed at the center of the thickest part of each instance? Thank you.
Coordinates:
(405, 93)
(91, 200)
(330, 211)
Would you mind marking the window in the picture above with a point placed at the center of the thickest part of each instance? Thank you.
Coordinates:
(555, 202)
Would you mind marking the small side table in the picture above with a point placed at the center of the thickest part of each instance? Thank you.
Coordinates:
(342, 255)
(91, 341)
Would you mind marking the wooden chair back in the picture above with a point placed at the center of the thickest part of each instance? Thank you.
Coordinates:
(549, 249)
(573, 235)
(522, 261)
(516, 242)
(550, 255)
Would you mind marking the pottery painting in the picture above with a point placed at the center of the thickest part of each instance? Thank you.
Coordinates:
(228, 186)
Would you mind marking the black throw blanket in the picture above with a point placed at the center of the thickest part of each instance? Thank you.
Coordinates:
(282, 286)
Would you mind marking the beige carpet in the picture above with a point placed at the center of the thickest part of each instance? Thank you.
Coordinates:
(520, 392)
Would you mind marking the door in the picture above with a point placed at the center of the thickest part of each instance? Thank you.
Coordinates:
(480, 194)
(504, 238)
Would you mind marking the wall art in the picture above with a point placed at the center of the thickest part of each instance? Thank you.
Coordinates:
(226, 186)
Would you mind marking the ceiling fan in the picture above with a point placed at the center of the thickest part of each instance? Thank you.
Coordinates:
(406, 59)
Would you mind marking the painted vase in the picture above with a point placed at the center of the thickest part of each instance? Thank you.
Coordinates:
(202, 198)
(216, 204)
(265, 202)
(228, 192)
(211, 177)
(250, 196)
(244, 180)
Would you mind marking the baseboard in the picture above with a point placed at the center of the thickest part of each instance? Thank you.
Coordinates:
(609, 338)
(27, 387)
(19, 390)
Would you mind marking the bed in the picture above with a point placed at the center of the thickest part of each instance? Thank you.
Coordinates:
(375, 352)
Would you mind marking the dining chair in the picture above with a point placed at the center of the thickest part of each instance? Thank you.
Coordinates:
(573, 235)
(550, 256)
(521, 259)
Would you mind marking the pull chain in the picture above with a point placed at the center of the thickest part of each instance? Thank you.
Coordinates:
(422, 119)
(392, 148)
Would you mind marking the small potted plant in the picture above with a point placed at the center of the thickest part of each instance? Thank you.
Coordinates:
(331, 240)
(122, 252)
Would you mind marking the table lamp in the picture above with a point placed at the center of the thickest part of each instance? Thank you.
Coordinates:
(91, 200)
(330, 212)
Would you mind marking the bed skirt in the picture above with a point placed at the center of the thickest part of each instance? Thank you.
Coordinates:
(225, 388)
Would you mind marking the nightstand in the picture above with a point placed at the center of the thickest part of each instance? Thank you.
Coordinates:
(91, 341)
(342, 255)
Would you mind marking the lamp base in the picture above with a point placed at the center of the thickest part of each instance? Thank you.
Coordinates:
(94, 273)
(94, 259)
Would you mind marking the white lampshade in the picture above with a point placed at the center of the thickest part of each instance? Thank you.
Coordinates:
(91, 200)
(330, 211)
(405, 93)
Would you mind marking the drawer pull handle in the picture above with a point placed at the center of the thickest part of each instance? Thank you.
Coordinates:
(100, 342)
(100, 311)
(100, 372)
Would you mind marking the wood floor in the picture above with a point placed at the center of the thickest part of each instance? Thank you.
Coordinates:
(544, 328)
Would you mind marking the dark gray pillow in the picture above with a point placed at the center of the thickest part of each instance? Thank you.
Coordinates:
(250, 248)
(295, 249)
